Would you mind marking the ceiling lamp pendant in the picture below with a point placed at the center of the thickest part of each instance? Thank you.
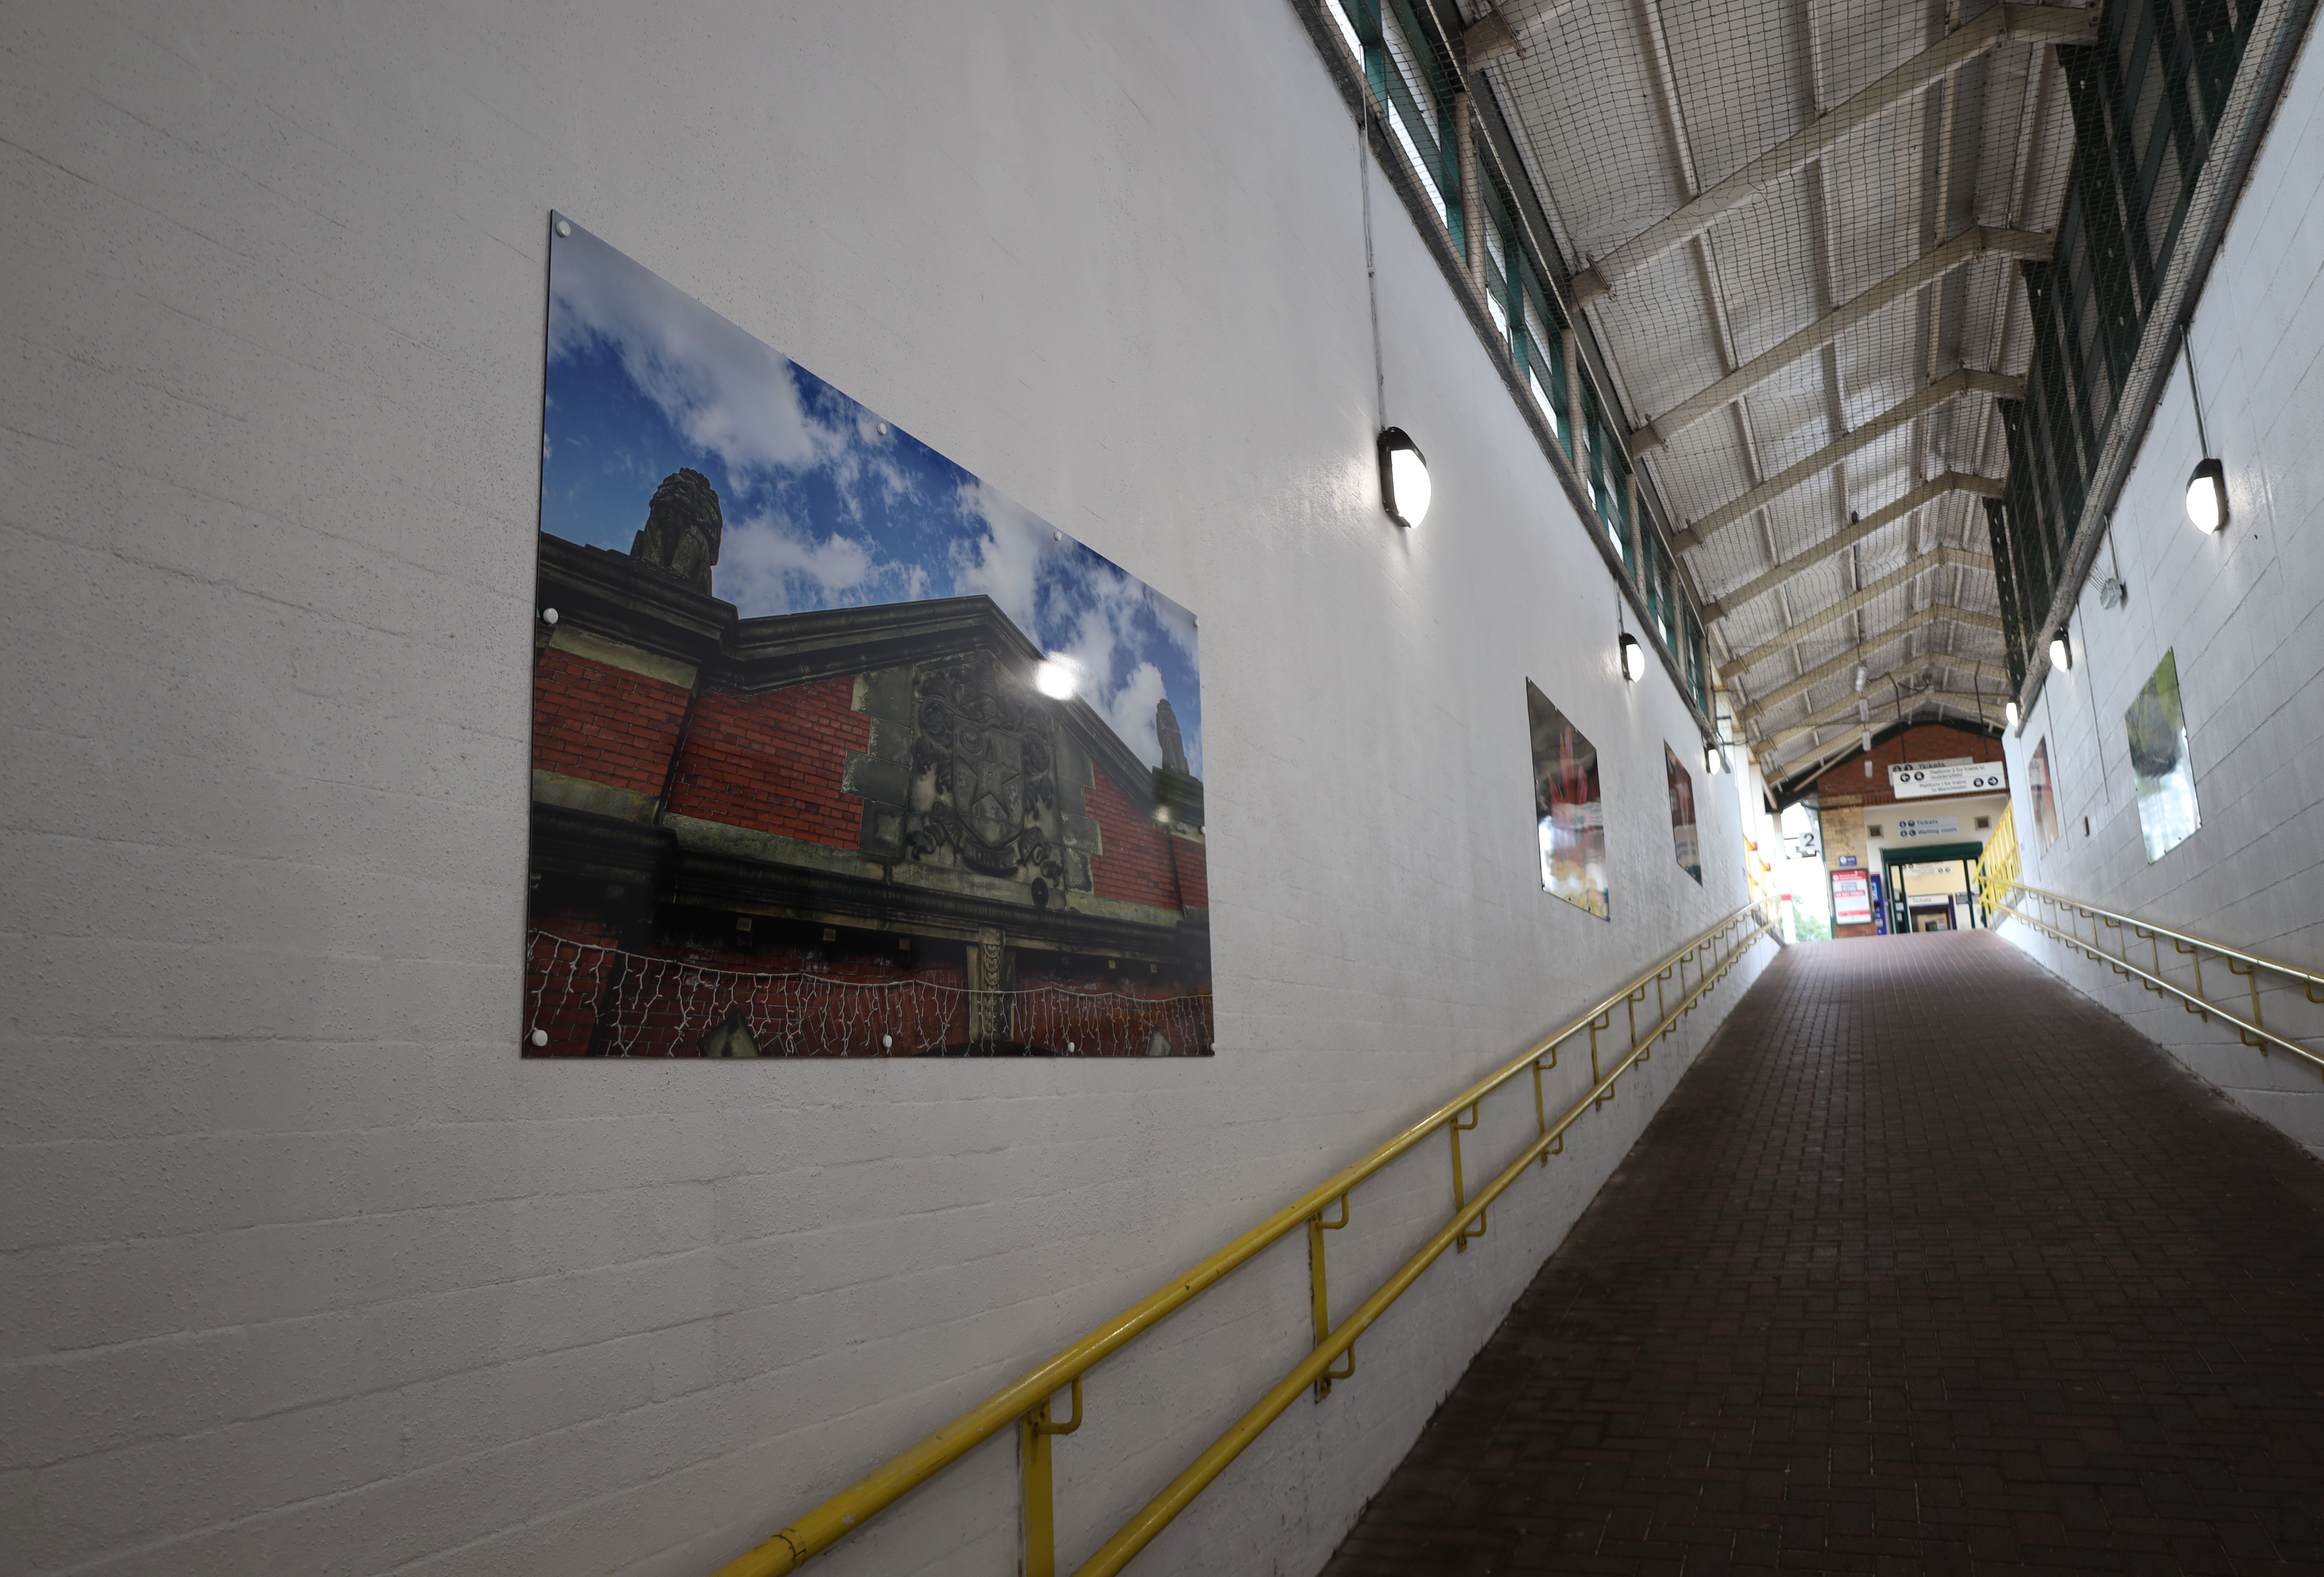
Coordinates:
(2206, 496)
(1405, 490)
(2061, 651)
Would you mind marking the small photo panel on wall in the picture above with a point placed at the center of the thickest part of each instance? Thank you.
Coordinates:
(2157, 726)
(2043, 789)
(836, 750)
(1569, 815)
(1684, 834)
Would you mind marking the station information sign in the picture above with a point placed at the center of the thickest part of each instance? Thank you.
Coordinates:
(1851, 898)
(1943, 780)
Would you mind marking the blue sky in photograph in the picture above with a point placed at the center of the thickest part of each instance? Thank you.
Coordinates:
(823, 509)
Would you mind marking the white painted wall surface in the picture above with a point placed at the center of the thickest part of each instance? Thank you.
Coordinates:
(2244, 612)
(305, 1270)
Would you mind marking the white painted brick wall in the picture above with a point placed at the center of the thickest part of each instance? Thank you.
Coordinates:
(2244, 611)
(301, 1268)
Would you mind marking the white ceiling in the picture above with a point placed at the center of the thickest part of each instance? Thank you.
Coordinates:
(1623, 110)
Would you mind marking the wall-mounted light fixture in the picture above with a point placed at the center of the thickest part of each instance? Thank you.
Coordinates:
(1634, 658)
(2009, 714)
(2206, 485)
(1712, 763)
(2061, 650)
(2206, 496)
(1405, 489)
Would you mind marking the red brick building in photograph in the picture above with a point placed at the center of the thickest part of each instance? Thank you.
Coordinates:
(848, 832)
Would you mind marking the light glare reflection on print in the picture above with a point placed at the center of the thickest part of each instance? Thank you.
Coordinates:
(1057, 677)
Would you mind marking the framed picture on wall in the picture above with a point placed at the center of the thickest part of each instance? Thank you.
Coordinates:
(2043, 790)
(1569, 815)
(2156, 725)
(837, 751)
(1686, 837)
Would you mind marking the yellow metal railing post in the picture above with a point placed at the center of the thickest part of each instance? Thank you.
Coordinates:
(2251, 970)
(1541, 1107)
(1320, 1298)
(1460, 1178)
(1033, 1434)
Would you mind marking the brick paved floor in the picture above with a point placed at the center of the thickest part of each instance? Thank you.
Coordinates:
(1929, 1265)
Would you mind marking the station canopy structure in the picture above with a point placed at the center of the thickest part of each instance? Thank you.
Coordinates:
(1796, 228)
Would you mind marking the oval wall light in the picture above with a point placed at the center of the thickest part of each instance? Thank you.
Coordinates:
(2061, 651)
(1711, 761)
(2009, 712)
(1405, 489)
(2206, 496)
(1634, 658)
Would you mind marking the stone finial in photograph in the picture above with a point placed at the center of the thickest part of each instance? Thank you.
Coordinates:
(683, 528)
(1174, 744)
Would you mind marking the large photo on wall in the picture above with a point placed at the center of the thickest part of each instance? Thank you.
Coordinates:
(1569, 812)
(1687, 834)
(2161, 772)
(2044, 791)
(837, 751)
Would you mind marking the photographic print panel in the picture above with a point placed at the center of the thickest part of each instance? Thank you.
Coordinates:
(2156, 725)
(1568, 811)
(1686, 837)
(2043, 789)
(837, 751)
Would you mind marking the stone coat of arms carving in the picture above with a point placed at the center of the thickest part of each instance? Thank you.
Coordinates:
(971, 770)
(984, 784)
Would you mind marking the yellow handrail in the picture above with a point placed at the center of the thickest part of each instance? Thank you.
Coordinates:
(2148, 928)
(1025, 1404)
(1997, 864)
(2002, 886)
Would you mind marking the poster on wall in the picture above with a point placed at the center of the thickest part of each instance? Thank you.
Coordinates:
(2157, 726)
(2044, 791)
(1851, 898)
(1684, 834)
(837, 751)
(1569, 815)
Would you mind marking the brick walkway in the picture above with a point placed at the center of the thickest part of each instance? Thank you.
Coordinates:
(1928, 1266)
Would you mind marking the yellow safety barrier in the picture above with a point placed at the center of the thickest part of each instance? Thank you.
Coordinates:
(2068, 914)
(1996, 866)
(1025, 1406)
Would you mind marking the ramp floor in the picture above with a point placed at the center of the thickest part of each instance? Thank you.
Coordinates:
(1929, 1265)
